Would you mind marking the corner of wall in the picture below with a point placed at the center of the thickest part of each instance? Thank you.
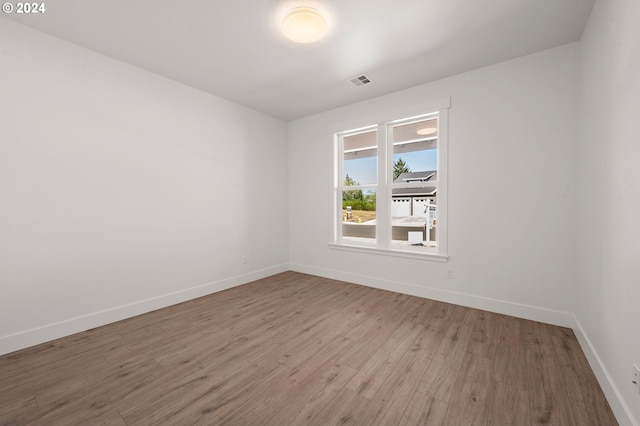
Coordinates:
(611, 392)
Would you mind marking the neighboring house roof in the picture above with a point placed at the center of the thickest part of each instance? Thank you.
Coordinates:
(426, 176)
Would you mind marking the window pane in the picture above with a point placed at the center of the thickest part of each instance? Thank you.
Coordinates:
(360, 159)
(413, 219)
(413, 198)
(359, 214)
(415, 151)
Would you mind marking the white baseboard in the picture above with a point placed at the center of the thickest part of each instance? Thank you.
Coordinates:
(611, 392)
(549, 316)
(34, 336)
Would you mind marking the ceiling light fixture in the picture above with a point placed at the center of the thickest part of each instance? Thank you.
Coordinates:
(304, 25)
(425, 131)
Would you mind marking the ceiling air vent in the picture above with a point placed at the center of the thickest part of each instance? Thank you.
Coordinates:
(361, 80)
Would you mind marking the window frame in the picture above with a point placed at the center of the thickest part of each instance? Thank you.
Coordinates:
(383, 243)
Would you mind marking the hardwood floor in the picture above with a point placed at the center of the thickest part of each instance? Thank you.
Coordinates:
(295, 349)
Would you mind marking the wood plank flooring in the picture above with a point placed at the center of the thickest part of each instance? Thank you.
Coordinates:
(295, 349)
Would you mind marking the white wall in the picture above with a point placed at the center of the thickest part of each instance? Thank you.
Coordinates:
(608, 297)
(512, 130)
(122, 191)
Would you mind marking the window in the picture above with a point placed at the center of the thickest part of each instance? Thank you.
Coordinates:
(359, 183)
(391, 186)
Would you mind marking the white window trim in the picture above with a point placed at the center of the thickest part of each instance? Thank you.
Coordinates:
(436, 257)
(383, 244)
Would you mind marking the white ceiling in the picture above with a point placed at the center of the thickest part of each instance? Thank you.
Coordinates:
(233, 48)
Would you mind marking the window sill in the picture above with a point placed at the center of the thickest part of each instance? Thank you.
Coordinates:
(434, 257)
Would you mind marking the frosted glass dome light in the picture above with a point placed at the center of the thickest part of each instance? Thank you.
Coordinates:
(304, 25)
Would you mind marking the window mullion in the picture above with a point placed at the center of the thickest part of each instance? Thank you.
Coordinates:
(383, 204)
(358, 187)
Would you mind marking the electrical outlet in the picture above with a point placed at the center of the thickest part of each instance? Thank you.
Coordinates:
(449, 274)
(636, 378)
(244, 259)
